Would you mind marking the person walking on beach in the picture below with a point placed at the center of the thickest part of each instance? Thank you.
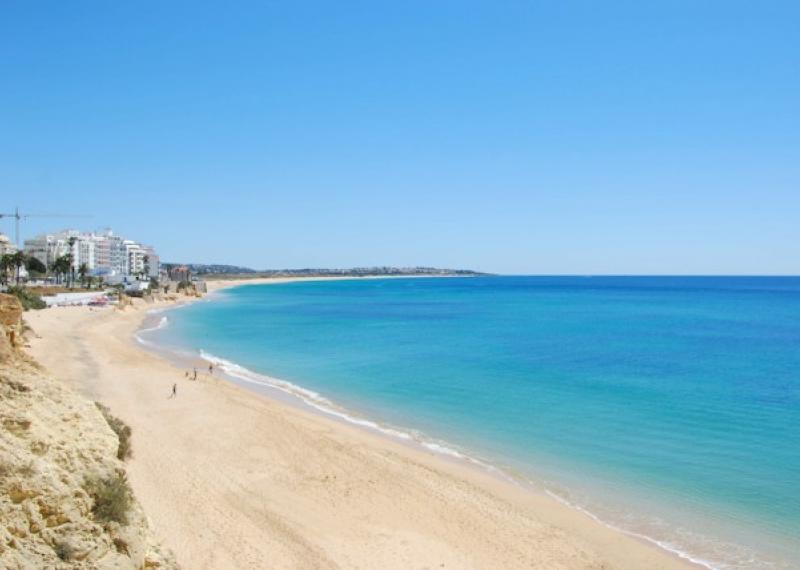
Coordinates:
(211, 368)
(174, 391)
(195, 374)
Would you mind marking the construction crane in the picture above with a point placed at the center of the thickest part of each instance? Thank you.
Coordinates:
(18, 217)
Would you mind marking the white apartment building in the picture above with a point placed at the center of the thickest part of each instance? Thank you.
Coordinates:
(47, 248)
(7, 247)
(104, 253)
(134, 257)
(153, 262)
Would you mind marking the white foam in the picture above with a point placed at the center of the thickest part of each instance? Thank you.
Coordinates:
(668, 546)
(170, 308)
(162, 323)
(322, 404)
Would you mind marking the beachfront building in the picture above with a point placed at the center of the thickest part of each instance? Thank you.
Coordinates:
(104, 253)
(47, 248)
(178, 273)
(7, 247)
(151, 262)
(135, 255)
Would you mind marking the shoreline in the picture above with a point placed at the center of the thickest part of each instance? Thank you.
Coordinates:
(301, 398)
(572, 538)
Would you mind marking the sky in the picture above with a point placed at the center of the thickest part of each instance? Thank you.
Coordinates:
(531, 137)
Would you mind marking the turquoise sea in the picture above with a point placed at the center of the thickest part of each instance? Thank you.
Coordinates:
(668, 407)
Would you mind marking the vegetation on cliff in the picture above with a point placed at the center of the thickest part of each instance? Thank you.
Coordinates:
(111, 497)
(64, 498)
(27, 298)
(123, 431)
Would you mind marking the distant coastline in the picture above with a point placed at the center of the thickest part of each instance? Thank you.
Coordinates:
(222, 271)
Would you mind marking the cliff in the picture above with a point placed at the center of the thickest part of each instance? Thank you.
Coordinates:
(64, 500)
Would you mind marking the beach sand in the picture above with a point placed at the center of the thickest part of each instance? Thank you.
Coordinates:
(231, 479)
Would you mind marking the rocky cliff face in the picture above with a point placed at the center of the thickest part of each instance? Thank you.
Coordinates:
(55, 449)
(10, 324)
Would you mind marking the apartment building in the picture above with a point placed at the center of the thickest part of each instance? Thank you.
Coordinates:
(104, 253)
(6, 245)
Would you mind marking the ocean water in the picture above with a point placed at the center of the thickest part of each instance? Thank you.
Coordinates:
(667, 407)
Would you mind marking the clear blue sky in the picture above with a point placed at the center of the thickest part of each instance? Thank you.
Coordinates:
(517, 137)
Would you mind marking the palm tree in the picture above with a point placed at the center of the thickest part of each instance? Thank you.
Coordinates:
(18, 259)
(5, 266)
(61, 267)
(146, 271)
(71, 242)
(83, 270)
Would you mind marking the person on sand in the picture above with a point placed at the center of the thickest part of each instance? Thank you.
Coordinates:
(195, 374)
(211, 368)
(174, 391)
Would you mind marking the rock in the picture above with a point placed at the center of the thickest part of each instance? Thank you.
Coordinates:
(51, 442)
(11, 322)
(10, 310)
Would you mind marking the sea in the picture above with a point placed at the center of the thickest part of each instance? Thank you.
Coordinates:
(665, 407)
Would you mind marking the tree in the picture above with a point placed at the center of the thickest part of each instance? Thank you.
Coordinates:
(68, 269)
(6, 264)
(146, 271)
(18, 259)
(71, 256)
(61, 267)
(34, 265)
(83, 270)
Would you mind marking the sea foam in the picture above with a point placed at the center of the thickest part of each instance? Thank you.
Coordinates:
(322, 404)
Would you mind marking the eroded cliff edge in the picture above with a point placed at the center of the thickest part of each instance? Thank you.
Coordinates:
(64, 499)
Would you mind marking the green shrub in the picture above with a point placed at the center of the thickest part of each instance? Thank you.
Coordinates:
(123, 431)
(28, 299)
(111, 496)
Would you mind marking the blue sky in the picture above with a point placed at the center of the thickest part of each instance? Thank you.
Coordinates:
(516, 137)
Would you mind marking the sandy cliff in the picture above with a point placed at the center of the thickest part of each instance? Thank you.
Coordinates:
(56, 450)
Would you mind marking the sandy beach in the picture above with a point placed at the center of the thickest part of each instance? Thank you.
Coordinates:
(231, 479)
